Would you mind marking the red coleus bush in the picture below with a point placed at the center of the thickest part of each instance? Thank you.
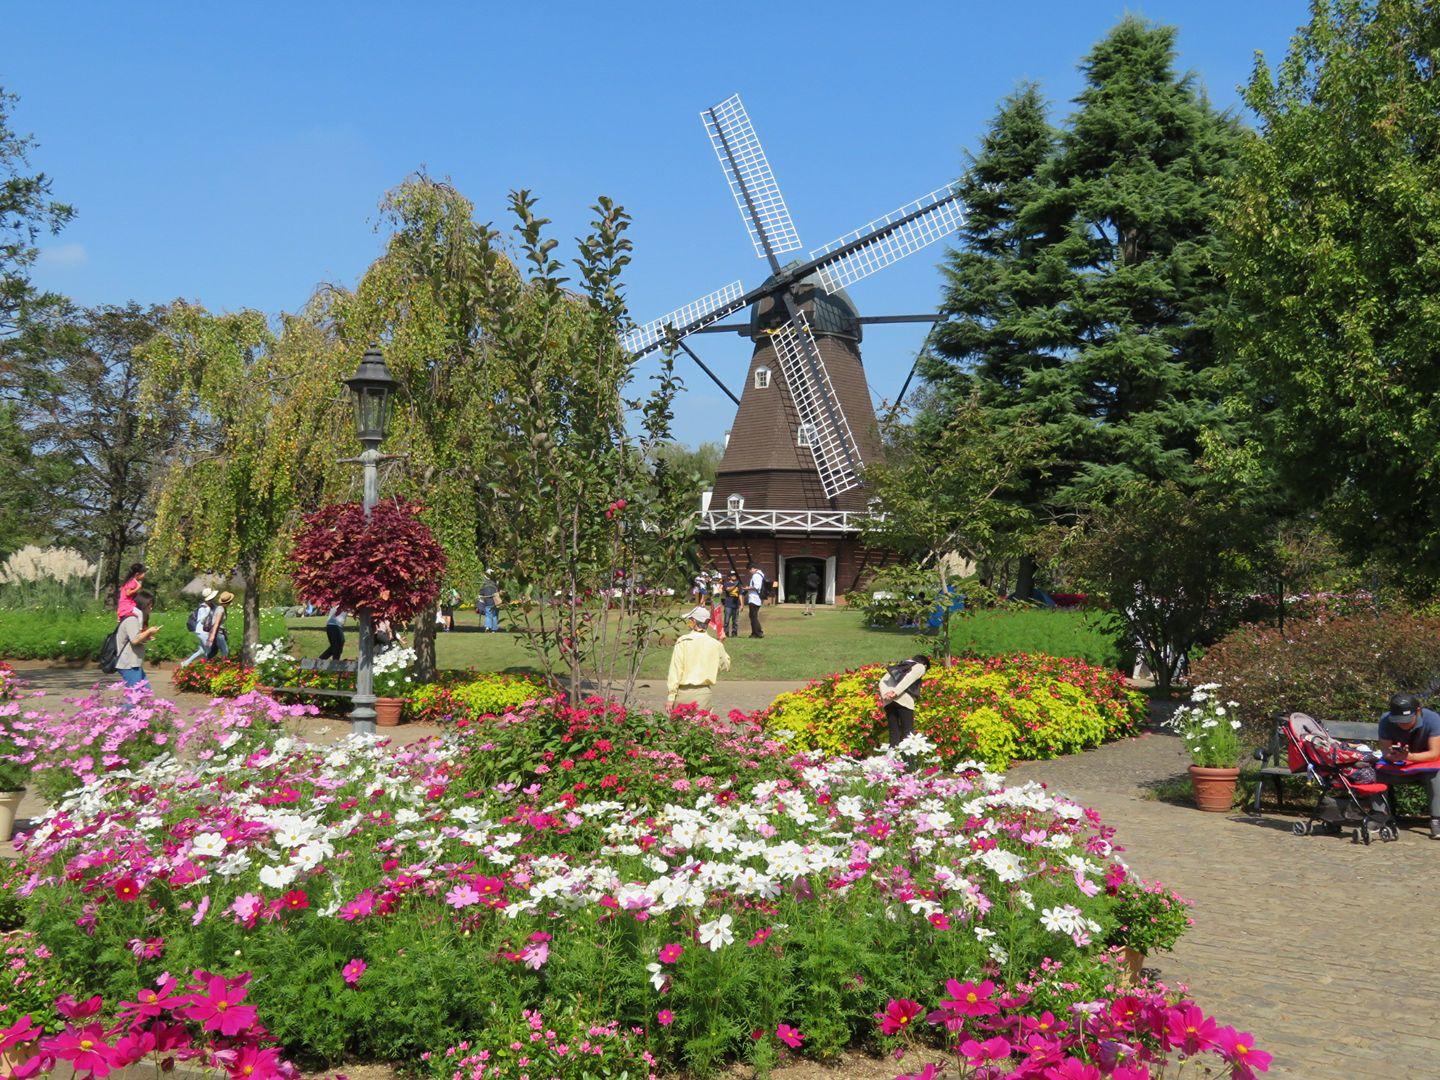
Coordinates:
(389, 566)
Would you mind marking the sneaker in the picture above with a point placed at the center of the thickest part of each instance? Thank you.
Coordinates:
(1435, 828)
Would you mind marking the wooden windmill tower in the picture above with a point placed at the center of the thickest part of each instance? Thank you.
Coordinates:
(788, 493)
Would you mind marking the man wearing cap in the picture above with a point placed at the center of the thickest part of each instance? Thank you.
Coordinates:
(201, 626)
(1411, 733)
(696, 663)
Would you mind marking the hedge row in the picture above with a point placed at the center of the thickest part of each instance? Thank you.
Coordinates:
(43, 635)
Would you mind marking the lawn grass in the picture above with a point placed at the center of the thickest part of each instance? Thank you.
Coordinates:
(795, 646)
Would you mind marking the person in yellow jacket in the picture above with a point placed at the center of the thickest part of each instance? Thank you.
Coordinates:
(696, 663)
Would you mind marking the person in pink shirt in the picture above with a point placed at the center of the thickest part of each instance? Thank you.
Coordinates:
(126, 605)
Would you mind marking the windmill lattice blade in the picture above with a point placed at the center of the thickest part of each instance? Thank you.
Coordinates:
(685, 320)
(914, 226)
(747, 170)
(837, 458)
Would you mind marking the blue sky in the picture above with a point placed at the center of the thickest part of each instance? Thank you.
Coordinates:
(235, 154)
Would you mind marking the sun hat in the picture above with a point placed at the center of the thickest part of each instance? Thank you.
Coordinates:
(208, 595)
(698, 614)
(227, 597)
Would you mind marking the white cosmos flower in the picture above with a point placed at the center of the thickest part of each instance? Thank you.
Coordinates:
(277, 877)
(716, 934)
(208, 844)
(1005, 865)
(657, 976)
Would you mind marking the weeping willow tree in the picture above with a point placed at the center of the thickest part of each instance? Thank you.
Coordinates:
(424, 300)
(264, 413)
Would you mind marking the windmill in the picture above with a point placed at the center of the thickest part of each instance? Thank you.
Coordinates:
(790, 478)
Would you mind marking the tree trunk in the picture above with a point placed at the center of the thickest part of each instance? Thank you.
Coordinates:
(1025, 577)
(425, 665)
(250, 609)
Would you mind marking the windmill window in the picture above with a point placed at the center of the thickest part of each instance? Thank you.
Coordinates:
(762, 378)
(735, 503)
(805, 435)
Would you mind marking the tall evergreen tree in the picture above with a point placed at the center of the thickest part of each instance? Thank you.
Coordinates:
(1138, 170)
(1001, 349)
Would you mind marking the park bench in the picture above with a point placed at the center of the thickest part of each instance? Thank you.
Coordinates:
(325, 667)
(1277, 771)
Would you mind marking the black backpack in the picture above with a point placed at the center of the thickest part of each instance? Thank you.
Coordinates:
(193, 623)
(110, 652)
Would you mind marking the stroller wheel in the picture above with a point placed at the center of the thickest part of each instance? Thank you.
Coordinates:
(1300, 828)
(1388, 833)
(1362, 833)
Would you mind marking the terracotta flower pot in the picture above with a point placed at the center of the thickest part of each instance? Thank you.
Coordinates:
(9, 806)
(1134, 963)
(1214, 788)
(388, 710)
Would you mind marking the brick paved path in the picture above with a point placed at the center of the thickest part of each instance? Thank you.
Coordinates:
(1318, 946)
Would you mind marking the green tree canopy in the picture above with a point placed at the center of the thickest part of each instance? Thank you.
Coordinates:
(1334, 233)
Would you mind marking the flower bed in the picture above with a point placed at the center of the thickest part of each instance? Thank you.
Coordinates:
(467, 696)
(994, 710)
(685, 876)
(217, 678)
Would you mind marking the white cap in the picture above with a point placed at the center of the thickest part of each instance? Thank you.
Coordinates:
(698, 614)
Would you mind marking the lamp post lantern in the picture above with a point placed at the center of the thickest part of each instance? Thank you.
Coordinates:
(370, 389)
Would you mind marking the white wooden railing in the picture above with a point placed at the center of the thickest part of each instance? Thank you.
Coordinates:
(814, 521)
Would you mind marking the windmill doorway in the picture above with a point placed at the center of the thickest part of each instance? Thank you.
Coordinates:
(793, 571)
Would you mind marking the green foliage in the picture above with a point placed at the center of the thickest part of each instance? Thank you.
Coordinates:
(1173, 564)
(1096, 637)
(1149, 918)
(1333, 669)
(263, 419)
(40, 635)
(26, 210)
(1333, 228)
(469, 696)
(992, 711)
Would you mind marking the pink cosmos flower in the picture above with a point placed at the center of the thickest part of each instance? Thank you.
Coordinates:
(85, 1048)
(1190, 1029)
(200, 910)
(359, 908)
(979, 1053)
(246, 906)
(789, 1036)
(462, 896)
(1238, 1048)
(352, 971)
(669, 954)
(147, 948)
(68, 1007)
(1072, 1069)
(897, 1015)
(252, 1063)
(22, 1031)
(665, 1016)
(940, 921)
(966, 999)
(215, 1005)
(148, 1003)
(761, 936)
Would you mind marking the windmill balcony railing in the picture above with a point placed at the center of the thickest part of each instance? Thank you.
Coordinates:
(813, 521)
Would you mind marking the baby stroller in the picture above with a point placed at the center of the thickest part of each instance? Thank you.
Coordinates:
(1345, 776)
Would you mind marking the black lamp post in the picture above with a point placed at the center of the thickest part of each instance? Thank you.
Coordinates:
(370, 389)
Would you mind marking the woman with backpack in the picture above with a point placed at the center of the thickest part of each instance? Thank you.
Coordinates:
(899, 689)
(199, 625)
(130, 638)
(217, 642)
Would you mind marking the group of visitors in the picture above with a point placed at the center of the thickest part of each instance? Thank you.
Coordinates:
(722, 595)
(487, 605)
(207, 623)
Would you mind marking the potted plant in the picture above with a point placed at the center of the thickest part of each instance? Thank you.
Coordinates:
(1212, 736)
(274, 666)
(392, 683)
(1149, 918)
(13, 778)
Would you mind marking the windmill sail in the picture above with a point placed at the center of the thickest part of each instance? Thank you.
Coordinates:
(889, 239)
(752, 183)
(837, 458)
(685, 320)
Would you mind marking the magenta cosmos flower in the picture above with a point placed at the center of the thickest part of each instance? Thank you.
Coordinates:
(215, 1005)
(352, 971)
(789, 1036)
(897, 1015)
(671, 953)
(1238, 1048)
(85, 1048)
(666, 1017)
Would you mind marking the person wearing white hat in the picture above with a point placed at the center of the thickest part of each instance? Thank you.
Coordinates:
(696, 663)
(199, 625)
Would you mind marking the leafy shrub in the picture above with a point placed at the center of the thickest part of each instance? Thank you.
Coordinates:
(559, 1046)
(217, 678)
(1149, 918)
(1339, 669)
(993, 710)
(478, 695)
(1094, 637)
(387, 562)
(38, 635)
